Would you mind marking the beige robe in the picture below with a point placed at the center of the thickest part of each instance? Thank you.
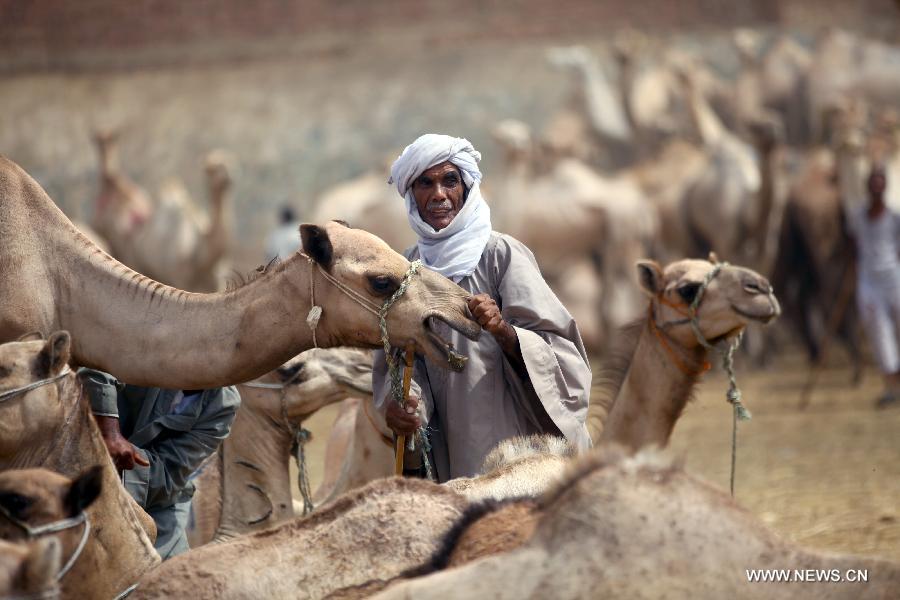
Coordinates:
(469, 413)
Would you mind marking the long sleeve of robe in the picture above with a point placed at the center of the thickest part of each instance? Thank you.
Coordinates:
(469, 413)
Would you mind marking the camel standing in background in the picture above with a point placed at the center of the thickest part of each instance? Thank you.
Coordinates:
(146, 333)
(170, 240)
(245, 486)
(605, 219)
(368, 202)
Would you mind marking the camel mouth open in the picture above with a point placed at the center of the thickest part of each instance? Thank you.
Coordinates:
(444, 348)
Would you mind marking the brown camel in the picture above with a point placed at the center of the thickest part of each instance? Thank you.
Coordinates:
(51, 426)
(28, 570)
(638, 527)
(813, 268)
(169, 239)
(245, 486)
(146, 333)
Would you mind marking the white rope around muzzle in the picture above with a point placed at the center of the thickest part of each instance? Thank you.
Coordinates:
(12, 393)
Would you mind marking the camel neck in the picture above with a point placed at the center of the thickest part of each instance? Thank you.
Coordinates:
(256, 487)
(654, 392)
(193, 341)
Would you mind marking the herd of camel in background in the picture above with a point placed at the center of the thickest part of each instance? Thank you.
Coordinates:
(763, 183)
(656, 154)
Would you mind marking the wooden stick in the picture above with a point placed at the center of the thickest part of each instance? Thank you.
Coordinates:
(408, 356)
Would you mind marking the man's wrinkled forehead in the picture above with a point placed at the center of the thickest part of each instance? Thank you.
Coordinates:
(439, 170)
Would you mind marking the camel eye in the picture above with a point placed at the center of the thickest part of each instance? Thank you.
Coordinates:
(290, 373)
(688, 291)
(15, 504)
(383, 285)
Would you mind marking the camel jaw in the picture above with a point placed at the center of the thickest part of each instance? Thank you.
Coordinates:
(439, 347)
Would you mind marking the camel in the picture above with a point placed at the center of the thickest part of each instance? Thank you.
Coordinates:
(28, 570)
(845, 67)
(370, 532)
(360, 449)
(812, 268)
(606, 219)
(638, 527)
(599, 103)
(169, 240)
(146, 333)
(735, 296)
(368, 202)
(245, 486)
(52, 427)
(45, 512)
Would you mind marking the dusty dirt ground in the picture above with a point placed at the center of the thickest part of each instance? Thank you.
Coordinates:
(827, 477)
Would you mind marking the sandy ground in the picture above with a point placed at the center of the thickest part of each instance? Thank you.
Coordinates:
(826, 477)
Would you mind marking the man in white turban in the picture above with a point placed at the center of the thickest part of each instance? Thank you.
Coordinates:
(531, 373)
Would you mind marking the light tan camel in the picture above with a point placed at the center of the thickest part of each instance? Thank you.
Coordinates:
(28, 570)
(245, 486)
(172, 241)
(369, 203)
(51, 426)
(845, 67)
(360, 449)
(372, 532)
(146, 333)
(45, 512)
(604, 219)
(637, 527)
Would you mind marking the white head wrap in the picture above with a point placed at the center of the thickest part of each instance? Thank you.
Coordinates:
(454, 251)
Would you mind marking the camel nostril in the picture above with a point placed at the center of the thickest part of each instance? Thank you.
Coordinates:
(754, 286)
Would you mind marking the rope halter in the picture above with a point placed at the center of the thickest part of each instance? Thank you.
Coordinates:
(725, 348)
(24, 389)
(299, 437)
(33, 532)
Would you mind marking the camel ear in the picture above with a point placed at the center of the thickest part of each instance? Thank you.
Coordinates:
(32, 336)
(55, 353)
(713, 258)
(83, 491)
(650, 276)
(317, 245)
(42, 564)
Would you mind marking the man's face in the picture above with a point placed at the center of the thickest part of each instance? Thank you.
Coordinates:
(876, 184)
(439, 194)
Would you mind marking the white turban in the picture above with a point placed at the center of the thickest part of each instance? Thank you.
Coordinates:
(454, 251)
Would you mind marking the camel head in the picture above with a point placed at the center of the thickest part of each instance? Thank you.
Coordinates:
(218, 167)
(28, 570)
(373, 271)
(734, 298)
(38, 497)
(38, 413)
(38, 504)
(312, 380)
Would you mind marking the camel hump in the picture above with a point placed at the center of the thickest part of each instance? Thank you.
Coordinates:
(524, 446)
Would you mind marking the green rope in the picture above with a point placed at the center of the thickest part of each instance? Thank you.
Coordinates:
(733, 394)
(394, 370)
(301, 436)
